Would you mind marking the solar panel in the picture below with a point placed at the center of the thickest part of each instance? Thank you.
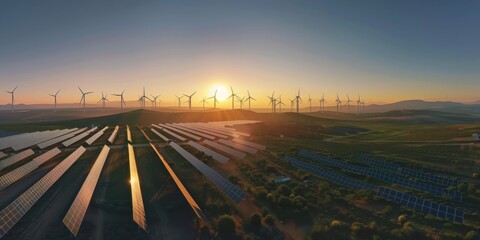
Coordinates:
(226, 149)
(238, 146)
(232, 191)
(114, 135)
(208, 132)
(205, 127)
(2, 155)
(15, 158)
(144, 134)
(74, 217)
(217, 156)
(184, 133)
(94, 138)
(40, 137)
(13, 176)
(422, 205)
(198, 211)
(78, 137)
(160, 135)
(250, 144)
(329, 175)
(195, 132)
(137, 200)
(59, 139)
(11, 214)
(129, 134)
(174, 135)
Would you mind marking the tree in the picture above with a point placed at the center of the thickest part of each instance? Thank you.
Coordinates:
(270, 220)
(255, 222)
(226, 227)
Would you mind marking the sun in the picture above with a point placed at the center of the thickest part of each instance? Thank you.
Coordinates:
(222, 92)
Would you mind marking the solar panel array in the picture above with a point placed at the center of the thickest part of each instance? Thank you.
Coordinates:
(382, 176)
(198, 211)
(184, 133)
(15, 158)
(329, 175)
(11, 214)
(250, 144)
(21, 141)
(238, 146)
(208, 132)
(78, 137)
(174, 135)
(422, 205)
(159, 134)
(94, 138)
(211, 129)
(226, 149)
(74, 217)
(13, 176)
(59, 139)
(193, 131)
(2, 155)
(137, 200)
(217, 156)
(407, 171)
(232, 191)
(114, 134)
(129, 134)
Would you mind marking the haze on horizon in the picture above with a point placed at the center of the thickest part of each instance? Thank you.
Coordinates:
(385, 51)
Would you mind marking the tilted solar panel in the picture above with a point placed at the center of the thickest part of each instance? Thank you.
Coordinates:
(226, 149)
(94, 138)
(238, 146)
(59, 139)
(2, 155)
(174, 135)
(217, 156)
(182, 132)
(160, 135)
(114, 134)
(78, 137)
(137, 200)
(129, 134)
(250, 144)
(15, 158)
(195, 132)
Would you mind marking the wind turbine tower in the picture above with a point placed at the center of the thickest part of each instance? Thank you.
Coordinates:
(154, 101)
(203, 102)
(190, 100)
(310, 102)
(103, 99)
(179, 99)
(233, 96)
(13, 96)
(248, 99)
(339, 103)
(215, 101)
(83, 99)
(122, 100)
(55, 102)
(280, 103)
(298, 99)
(348, 103)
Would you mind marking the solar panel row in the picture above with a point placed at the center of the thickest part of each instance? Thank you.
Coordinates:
(225, 149)
(2, 155)
(15, 158)
(182, 132)
(217, 156)
(11, 214)
(232, 191)
(129, 135)
(198, 211)
(35, 138)
(329, 175)
(114, 134)
(160, 135)
(13, 176)
(198, 129)
(94, 138)
(407, 171)
(174, 135)
(144, 134)
(419, 204)
(194, 131)
(382, 176)
(238, 146)
(137, 200)
(78, 137)
(56, 140)
(74, 217)
(210, 129)
(250, 144)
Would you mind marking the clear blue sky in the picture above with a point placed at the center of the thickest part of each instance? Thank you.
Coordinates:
(384, 50)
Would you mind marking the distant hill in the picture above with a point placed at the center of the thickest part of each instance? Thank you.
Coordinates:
(412, 105)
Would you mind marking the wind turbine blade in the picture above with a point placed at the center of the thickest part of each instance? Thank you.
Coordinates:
(80, 89)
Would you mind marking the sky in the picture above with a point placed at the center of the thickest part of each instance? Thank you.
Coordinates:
(384, 51)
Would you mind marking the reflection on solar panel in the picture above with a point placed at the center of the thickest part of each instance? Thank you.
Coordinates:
(137, 200)
(11, 214)
(214, 130)
(232, 191)
(198, 129)
(15, 158)
(114, 135)
(217, 156)
(419, 204)
(40, 137)
(329, 175)
(408, 172)
(182, 188)
(184, 133)
(174, 135)
(250, 144)
(238, 146)
(94, 138)
(160, 135)
(156, 126)
(144, 134)
(13, 176)
(198, 133)
(226, 149)
(74, 217)
(129, 134)
(78, 137)
(382, 176)
(59, 139)
(2, 155)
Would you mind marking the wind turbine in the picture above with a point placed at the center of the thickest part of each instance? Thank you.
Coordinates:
(280, 103)
(310, 102)
(273, 102)
(179, 100)
(241, 100)
(203, 102)
(348, 103)
(103, 99)
(122, 101)
(83, 99)
(291, 104)
(215, 101)
(248, 99)
(298, 99)
(322, 102)
(13, 95)
(143, 97)
(55, 97)
(154, 101)
(339, 103)
(359, 103)
(190, 100)
(233, 96)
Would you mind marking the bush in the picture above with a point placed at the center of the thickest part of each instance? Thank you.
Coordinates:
(226, 227)
(402, 219)
(387, 209)
(270, 220)
(255, 222)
